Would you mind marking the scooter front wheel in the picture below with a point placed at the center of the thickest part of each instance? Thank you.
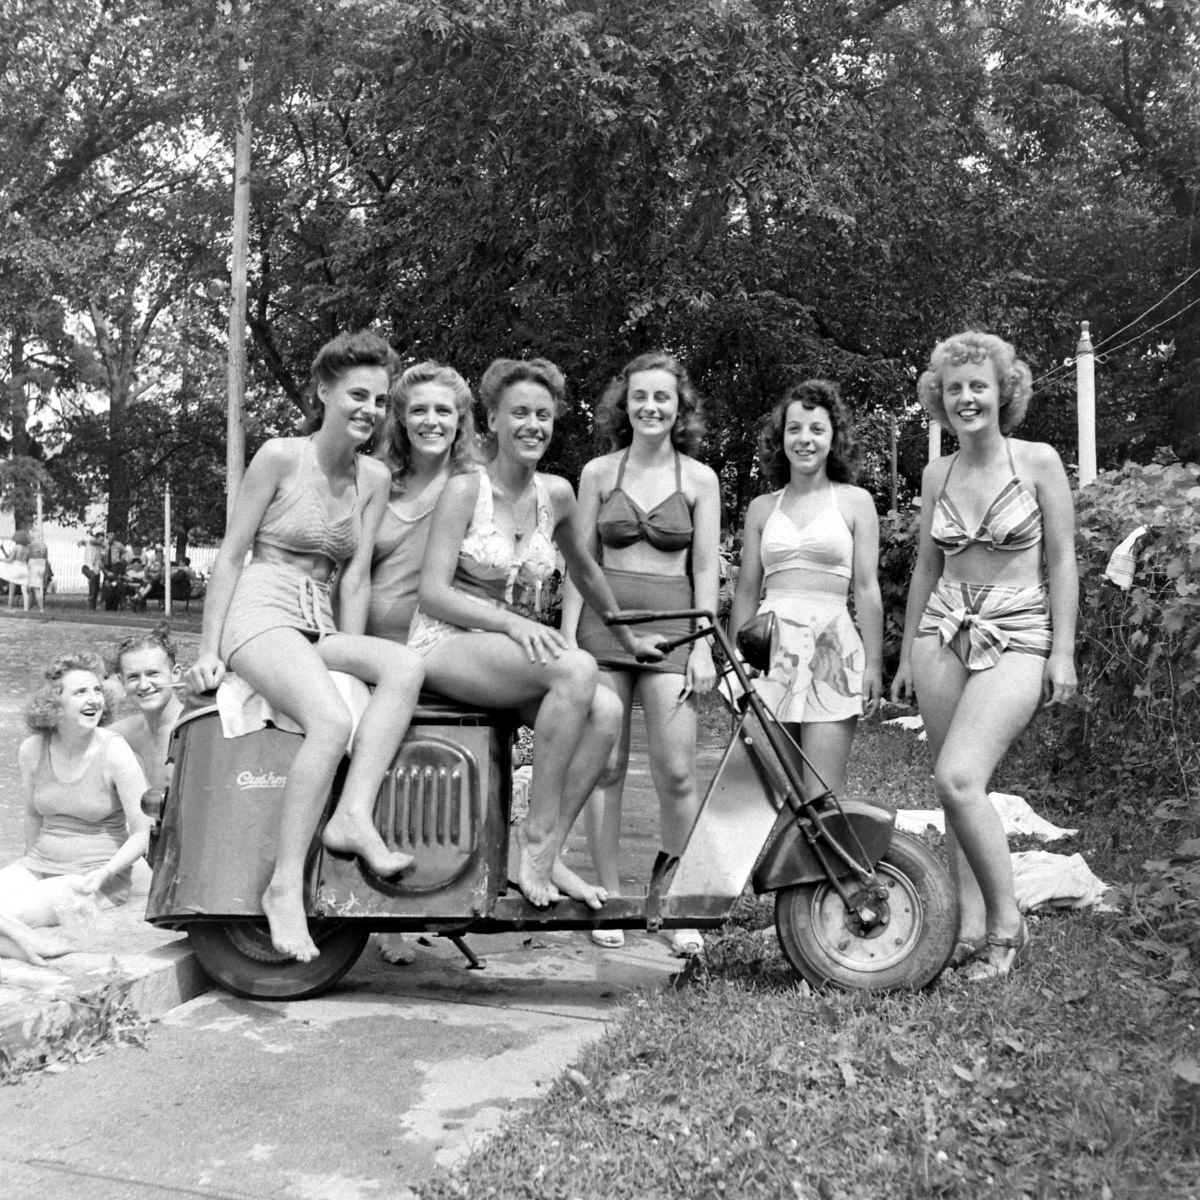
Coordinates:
(826, 944)
(238, 954)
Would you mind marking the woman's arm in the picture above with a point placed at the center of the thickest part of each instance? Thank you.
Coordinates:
(700, 674)
(264, 475)
(124, 773)
(589, 579)
(750, 574)
(1062, 571)
(868, 603)
(926, 572)
(587, 513)
(27, 758)
(354, 582)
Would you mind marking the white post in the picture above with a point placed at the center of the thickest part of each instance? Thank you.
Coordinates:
(935, 440)
(1085, 382)
(39, 508)
(167, 552)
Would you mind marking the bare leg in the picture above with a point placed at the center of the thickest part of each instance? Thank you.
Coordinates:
(991, 710)
(491, 669)
(602, 812)
(285, 667)
(397, 674)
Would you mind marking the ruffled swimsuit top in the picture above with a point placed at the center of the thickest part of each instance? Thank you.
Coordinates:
(1013, 520)
(622, 522)
(825, 544)
(303, 517)
(501, 568)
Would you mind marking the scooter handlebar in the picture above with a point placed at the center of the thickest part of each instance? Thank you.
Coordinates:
(643, 616)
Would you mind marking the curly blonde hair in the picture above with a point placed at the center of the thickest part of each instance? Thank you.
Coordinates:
(395, 449)
(1012, 374)
(44, 708)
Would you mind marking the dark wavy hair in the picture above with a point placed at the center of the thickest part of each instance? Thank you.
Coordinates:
(43, 709)
(341, 354)
(612, 412)
(842, 464)
(1012, 374)
(159, 638)
(396, 450)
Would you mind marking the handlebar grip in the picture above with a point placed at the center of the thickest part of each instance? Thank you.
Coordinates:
(630, 616)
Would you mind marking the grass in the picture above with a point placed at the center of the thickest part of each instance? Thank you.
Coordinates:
(1077, 1077)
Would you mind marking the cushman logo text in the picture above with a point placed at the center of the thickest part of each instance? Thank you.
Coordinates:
(268, 779)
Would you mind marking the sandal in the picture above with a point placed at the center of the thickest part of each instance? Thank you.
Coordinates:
(686, 943)
(1015, 953)
(966, 950)
(609, 939)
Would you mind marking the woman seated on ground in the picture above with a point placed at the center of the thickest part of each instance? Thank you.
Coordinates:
(810, 541)
(491, 548)
(654, 512)
(150, 675)
(989, 629)
(84, 826)
(307, 508)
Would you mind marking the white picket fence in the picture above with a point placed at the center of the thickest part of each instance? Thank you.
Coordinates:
(67, 557)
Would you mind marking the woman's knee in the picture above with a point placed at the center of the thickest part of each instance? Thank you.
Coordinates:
(401, 670)
(957, 786)
(575, 671)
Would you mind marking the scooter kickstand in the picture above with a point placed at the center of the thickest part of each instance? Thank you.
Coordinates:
(474, 962)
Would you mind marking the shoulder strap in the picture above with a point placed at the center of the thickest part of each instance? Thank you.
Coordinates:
(621, 470)
(1008, 448)
(678, 476)
(484, 508)
(949, 470)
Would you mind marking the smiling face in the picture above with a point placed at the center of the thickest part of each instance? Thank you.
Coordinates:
(431, 420)
(523, 421)
(355, 402)
(807, 438)
(971, 394)
(652, 401)
(82, 698)
(147, 674)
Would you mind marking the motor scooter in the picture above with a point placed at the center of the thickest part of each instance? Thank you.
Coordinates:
(858, 903)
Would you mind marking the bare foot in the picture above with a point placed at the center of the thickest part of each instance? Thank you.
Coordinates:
(347, 835)
(567, 881)
(18, 940)
(289, 925)
(536, 866)
(394, 949)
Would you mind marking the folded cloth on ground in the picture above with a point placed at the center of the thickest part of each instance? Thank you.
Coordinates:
(243, 710)
(913, 722)
(1056, 880)
(1015, 815)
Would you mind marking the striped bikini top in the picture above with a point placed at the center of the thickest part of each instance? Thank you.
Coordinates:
(1013, 520)
(302, 516)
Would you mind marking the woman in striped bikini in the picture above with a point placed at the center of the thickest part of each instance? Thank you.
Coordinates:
(989, 631)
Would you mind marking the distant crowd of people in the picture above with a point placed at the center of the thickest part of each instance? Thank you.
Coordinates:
(120, 576)
(391, 543)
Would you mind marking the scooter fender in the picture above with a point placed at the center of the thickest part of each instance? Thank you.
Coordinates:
(788, 859)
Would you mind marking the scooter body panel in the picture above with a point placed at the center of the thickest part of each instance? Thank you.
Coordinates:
(788, 859)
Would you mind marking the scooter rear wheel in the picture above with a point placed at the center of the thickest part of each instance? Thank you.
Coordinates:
(238, 954)
(827, 945)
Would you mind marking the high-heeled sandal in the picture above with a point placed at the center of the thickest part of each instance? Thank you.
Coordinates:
(966, 950)
(988, 968)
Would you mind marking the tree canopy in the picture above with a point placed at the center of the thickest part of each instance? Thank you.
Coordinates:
(771, 189)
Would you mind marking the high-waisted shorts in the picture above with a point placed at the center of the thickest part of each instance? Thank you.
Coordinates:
(635, 589)
(274, 596)
(980, 621)
(817, 661)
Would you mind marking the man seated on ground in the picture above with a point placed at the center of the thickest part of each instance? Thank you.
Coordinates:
(146, 665)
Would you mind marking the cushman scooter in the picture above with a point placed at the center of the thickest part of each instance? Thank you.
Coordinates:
(858, 903)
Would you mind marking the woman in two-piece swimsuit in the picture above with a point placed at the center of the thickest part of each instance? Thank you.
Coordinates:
(653, 515)
(808, 543)
(989, 630)
(309, 507)
(84, 825)
(494, 543)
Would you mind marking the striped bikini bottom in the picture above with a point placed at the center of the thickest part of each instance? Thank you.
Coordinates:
(980, 621)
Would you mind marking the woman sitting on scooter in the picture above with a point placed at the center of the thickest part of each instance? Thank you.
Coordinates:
(493, 544)
(989, 629)
(809, 542)
(84, 826)
(309, 507)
